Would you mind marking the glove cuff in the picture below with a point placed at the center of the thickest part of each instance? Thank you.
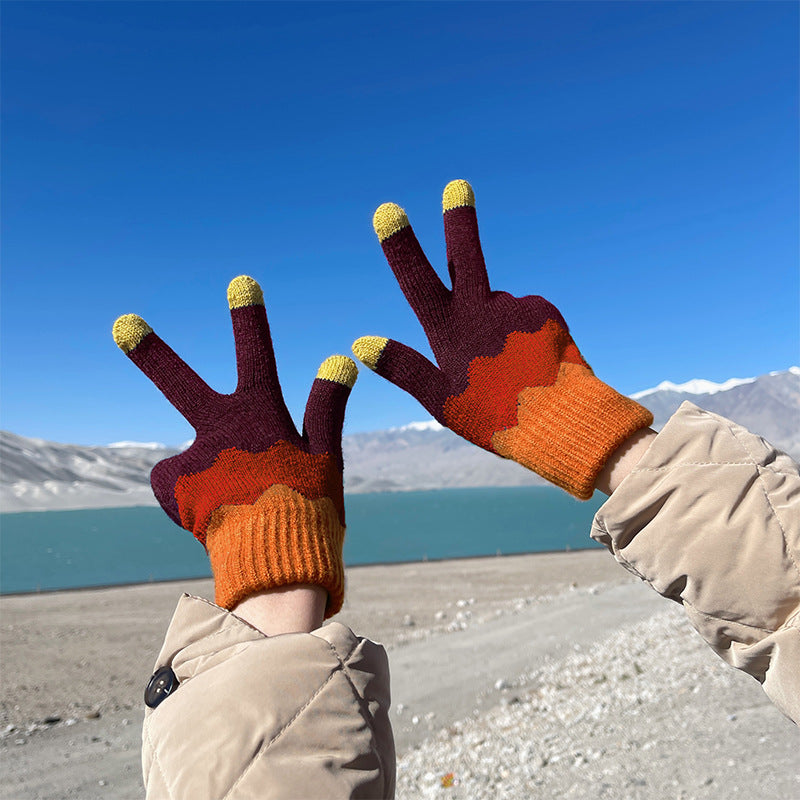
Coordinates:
(282, 538)
(566, 432)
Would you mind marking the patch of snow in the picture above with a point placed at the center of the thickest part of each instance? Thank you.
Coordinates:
(696, 386)
(140, 445)
(428, 425)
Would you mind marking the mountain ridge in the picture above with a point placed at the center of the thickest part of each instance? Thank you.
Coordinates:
(38, 475)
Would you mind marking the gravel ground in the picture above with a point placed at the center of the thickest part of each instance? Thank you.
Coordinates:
(649, 712)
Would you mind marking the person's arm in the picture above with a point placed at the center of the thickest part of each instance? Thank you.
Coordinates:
(623, 460)
(297, 608)
(251, 697)
(709, 516)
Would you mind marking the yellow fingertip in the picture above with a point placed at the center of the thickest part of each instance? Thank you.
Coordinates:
(368, 349)
(456, 194)
(339, 369)
(128, 331)
(388, 220)
(244, 291)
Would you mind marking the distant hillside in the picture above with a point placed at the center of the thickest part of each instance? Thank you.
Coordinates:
(768, 405)
(417, 457)
(40, 475)
(37, 475)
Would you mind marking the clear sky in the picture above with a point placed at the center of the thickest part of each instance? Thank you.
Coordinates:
(635, 163)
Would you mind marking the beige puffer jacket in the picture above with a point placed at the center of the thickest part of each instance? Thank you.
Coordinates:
(268, 718)
(710, 517)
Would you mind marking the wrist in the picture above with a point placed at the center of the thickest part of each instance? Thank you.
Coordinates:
(624, 459)
(298, 608)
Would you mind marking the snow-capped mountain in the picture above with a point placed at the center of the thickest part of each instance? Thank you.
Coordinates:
(40, 475)
(427, 425)
(695, 386)
(768, 405)
(140, 445)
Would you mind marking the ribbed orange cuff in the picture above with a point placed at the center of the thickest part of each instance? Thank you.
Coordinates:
(566, 432)
(281, 539)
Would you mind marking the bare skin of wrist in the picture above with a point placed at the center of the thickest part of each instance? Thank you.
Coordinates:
(298, 608)
(624, 459)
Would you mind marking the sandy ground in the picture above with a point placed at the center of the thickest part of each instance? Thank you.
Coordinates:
(552, 675)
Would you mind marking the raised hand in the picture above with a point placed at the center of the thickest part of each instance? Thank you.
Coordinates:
(509, 377)
(265, 501)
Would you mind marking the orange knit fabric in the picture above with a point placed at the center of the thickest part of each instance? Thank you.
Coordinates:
(280, 539)
(566, 432)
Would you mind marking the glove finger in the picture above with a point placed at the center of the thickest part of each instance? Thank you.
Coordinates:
(425, 292)
(405, 368)
(324, 416)
(178, 382)
(255, 356)
(464, 255)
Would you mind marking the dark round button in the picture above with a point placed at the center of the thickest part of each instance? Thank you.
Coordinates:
(161, 686)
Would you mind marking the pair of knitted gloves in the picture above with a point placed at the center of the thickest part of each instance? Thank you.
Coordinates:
(267, 502)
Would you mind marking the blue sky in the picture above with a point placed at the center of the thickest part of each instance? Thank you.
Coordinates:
(635, 163)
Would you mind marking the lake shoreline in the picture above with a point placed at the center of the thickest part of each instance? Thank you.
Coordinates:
(199, 578)
(142, 497)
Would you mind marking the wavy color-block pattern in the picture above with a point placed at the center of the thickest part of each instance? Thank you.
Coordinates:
(238, 477)
(499, 358)
(557, 421)
(279, 539)
(281, 489)
(495, 382)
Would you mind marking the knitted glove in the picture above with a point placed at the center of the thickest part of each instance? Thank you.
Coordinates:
(510, 378)
(266, 503)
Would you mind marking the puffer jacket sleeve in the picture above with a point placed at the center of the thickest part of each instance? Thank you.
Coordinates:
(292, 716)
(710, 517)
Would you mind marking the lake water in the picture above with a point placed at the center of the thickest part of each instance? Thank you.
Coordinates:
(71, 549)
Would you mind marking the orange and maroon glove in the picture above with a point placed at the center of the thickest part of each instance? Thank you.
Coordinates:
(266, 502)
(509, 376)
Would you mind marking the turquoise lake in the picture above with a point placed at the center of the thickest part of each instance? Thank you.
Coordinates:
(71, 549)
